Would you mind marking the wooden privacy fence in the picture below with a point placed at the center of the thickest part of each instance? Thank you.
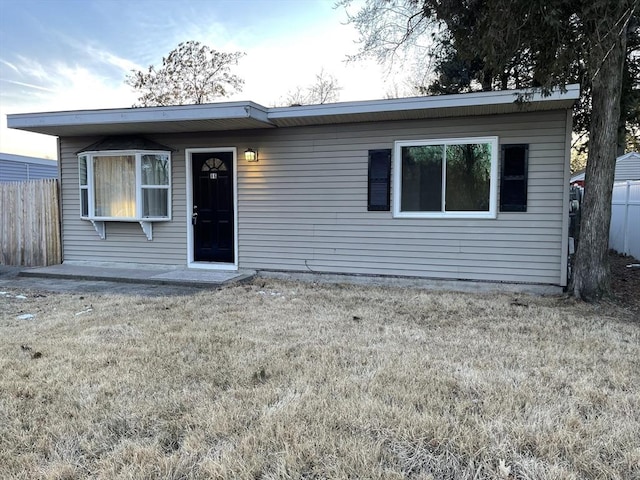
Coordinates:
(30, 223)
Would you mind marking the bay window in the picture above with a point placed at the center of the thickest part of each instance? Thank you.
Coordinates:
(125, 185)
(446, 178)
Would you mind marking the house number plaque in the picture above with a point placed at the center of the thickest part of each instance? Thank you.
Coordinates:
(213, 176)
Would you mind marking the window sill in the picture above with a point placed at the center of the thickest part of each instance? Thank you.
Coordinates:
(447, 215)
(126, 219)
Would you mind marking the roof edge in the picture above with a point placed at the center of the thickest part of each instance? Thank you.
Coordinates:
(225, 110)
(628, 155)
(258, 116)
(493, 97)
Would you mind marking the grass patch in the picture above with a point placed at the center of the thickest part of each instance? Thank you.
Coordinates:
(288, 380)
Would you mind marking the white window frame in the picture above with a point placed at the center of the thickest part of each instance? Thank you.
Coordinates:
(90, 187)
(397, 178)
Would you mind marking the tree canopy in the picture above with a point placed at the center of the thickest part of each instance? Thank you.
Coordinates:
(489, 44)
(192, 73)
(500, 44)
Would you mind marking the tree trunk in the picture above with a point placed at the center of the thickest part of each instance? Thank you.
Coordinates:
(622, 136)
(591, 270)
(628, 84)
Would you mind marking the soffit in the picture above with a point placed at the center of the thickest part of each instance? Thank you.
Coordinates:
(140, 128)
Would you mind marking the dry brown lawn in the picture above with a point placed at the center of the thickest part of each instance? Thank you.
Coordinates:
(289, 380)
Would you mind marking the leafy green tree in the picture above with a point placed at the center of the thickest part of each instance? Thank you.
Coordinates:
(192, 73)
(487, 44)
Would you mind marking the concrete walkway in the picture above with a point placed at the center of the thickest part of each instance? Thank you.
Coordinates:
(152, 276)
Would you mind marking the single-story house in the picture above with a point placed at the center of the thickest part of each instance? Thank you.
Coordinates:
(469, 186)
(627, 168)
(17, 168)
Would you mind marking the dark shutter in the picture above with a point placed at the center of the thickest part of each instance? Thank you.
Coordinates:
(513, 179)
(379, 180)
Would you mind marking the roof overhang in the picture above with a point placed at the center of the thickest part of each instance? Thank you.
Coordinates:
(250, 115)
(439, 106)
(129, 121)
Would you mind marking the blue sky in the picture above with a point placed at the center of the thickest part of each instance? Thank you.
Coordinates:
(75, 54)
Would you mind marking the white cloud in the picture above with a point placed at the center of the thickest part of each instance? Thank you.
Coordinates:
(25, 143)
(273, 66)
(31, 69)
(108, 58)
(69, 87)
(28, 85)
(80, 88)
(10, 65)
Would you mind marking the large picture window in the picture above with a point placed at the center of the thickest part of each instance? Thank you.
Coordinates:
(446, 178)
(125, 185)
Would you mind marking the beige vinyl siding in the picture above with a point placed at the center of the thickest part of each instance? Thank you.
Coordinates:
(303, 205)
(125, 242)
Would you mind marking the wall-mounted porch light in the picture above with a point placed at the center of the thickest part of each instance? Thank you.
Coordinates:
(250, 155)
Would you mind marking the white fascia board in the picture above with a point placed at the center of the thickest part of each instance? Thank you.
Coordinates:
(500, 97)
(269, 116)
(229, 110)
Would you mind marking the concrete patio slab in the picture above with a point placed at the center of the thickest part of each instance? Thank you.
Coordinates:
(151, 275)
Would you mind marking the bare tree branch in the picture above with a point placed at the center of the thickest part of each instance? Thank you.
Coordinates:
(192, 73)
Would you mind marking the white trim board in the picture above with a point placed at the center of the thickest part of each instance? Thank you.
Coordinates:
(397, 179)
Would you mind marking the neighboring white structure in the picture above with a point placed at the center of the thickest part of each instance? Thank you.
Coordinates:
(17, 168)
(624, 234)
(627, 168)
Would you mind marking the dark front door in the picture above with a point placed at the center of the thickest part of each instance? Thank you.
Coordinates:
(213, 226)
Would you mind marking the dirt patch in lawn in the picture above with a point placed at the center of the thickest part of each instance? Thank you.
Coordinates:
(625, 282)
